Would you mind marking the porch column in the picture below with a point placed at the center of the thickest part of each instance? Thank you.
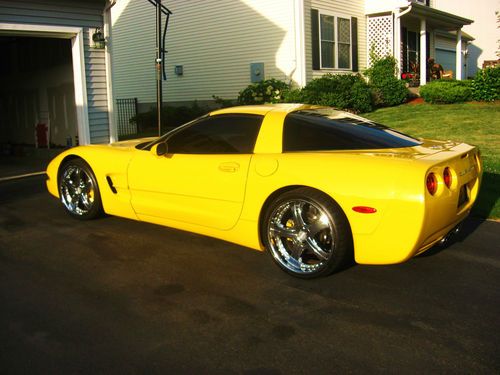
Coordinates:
(458, 53)
(423, 56)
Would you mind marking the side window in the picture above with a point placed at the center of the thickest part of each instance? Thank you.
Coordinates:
(223, 134)
(314, 130)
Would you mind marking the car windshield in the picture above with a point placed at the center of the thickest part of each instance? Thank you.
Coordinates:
(326, 129)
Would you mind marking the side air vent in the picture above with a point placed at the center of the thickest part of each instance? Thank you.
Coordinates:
(110, 183)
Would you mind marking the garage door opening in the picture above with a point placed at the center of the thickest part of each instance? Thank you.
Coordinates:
(37, 99)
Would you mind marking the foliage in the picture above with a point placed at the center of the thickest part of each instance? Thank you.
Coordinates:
(346, 91)
(386, 89)
(486, 85)
(267, 91)
(474, 123)
(221, 102)
(446, 91)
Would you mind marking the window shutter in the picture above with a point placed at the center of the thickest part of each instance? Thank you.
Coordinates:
(427, 44)
(315, 39)
(354, 33)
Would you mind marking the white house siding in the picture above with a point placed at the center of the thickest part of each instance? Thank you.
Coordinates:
(351, 8)
(484, 29)
(84, 14)
(214, 40)
(382, 6)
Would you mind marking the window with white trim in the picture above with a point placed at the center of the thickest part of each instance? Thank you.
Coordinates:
(335, 41)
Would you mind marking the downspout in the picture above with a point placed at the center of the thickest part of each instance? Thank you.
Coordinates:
(298, 26)
(397, 36)
(405, 12)
(106, 15)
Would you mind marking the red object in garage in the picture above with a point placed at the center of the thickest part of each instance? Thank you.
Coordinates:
(41, 135)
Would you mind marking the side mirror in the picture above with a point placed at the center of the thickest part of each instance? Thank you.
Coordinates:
(160, 149)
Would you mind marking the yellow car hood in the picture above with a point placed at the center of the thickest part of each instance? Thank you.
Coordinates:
(131, 142)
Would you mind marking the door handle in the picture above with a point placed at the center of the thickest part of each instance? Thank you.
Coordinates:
(230, 167)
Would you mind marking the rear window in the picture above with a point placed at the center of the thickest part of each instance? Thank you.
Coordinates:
(327, 129)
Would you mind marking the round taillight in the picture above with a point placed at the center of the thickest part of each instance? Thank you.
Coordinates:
(447, 177)
(431, 183)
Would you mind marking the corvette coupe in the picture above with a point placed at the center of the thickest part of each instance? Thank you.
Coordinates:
(313, 186)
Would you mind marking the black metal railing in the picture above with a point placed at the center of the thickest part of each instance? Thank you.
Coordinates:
(126, 110)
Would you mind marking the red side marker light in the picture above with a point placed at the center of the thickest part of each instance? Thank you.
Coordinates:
(364, 210)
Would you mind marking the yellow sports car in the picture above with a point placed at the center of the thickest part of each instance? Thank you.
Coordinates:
(313, 186)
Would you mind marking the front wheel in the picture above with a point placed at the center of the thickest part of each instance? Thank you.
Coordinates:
(307, 234)
(79, 191)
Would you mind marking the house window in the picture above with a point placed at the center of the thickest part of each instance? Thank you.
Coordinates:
(335, 42)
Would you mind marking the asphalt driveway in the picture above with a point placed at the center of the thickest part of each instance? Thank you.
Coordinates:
(113, 296)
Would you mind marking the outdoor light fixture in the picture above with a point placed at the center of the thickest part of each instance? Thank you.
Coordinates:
(98, 39)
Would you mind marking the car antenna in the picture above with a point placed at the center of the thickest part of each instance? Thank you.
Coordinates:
(160, 55)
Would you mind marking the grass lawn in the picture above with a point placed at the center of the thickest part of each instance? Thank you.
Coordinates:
(473, 123)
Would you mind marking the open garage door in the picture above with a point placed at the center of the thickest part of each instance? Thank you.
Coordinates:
(37, 95)
(42, 97)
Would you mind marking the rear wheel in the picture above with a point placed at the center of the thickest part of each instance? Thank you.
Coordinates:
(307, 234)
(79, 191)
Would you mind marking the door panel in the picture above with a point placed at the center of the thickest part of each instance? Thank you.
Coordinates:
(205, 190)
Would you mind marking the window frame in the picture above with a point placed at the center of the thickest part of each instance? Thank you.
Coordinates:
(336, 42)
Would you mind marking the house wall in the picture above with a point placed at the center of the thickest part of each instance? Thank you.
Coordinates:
(84, 14)
(378, 6)
(214, 40)
(353, 8)
(484, 29)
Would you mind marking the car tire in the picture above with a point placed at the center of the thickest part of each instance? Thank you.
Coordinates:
(79, 191)
(307, 234)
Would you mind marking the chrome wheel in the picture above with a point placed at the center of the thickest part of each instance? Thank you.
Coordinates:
(301, 236)
(78, 190)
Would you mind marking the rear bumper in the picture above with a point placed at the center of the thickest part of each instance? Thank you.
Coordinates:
(440, 237)
(415, 220)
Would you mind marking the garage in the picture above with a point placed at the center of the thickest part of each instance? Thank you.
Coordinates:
(447, 59)
(55, 89)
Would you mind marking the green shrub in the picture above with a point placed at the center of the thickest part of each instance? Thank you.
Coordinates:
(486, 84)
(446, 91)
(347, 92)
(267, 91)
(386, 89)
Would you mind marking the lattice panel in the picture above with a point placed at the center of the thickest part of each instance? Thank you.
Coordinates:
(380, 35)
